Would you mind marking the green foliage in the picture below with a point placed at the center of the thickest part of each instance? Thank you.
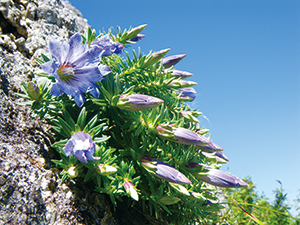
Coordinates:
(257, 206)
(123, 137)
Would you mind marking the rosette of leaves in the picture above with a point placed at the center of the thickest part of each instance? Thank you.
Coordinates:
(124, 137)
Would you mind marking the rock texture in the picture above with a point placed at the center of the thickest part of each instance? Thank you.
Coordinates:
(30, 191)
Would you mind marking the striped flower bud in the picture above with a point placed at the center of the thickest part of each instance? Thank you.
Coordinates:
(181, 74)
(216, 177)
(138, 102)
(182, 135)
(164, 171)
(181, 84)
(172, 60)
(137, 38)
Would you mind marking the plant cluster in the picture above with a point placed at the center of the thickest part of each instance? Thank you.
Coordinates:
(124, 123)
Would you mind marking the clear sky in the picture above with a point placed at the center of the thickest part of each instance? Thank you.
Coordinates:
(245, 56)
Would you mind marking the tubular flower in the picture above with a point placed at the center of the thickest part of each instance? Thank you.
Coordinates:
(138, 102)
(182, 135)
(187, 94)
(82, 146)
(164, 171)
(107, 45)
(217, 177)
(172, 60)
(75, 68)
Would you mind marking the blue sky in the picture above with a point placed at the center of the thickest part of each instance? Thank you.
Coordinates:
(245, 58)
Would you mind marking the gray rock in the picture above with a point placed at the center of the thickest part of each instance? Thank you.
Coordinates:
(30, 190)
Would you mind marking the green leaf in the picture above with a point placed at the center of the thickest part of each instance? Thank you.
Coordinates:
(66, 128)
(81, 118)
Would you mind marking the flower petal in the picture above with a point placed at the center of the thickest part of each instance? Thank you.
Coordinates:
(79, 99)
(56, 89)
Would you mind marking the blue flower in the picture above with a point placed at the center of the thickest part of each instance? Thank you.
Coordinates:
(107, 45)
(75, 68)
(82, 146)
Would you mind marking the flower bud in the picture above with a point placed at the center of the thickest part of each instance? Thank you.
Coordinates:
(33, 91)
(130, 189)
(181, 84)
(181, 74)
(216, 177)
(187, 94)
(73, 172)
(135, 31)
(168, 200)
(106, 169)
(164, 171)
(155, 57)
(138, 102)
(172, 60)
(137, 38)
(182, 135)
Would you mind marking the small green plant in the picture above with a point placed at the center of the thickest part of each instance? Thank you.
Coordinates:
(124, 124)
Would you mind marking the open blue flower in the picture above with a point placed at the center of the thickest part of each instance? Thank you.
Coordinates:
(82, 146)
(75, 67)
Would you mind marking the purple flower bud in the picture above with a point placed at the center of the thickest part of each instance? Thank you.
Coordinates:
(187, 94)
(181, 74)
(82, 146)
(155, 57)
(188, 137)
(217, 177)
(33, 91)
(172, 60)
(165, 171)
(181, 84)
(221, 155)
(211, 148)
(137, 38)
(138, 102)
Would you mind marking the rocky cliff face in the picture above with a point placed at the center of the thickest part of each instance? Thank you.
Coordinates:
(30, 191)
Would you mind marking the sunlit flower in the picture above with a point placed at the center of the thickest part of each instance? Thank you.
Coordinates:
(211, 148)
(75, 68)
(172, 60)
(138, 102)
(82, 146)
